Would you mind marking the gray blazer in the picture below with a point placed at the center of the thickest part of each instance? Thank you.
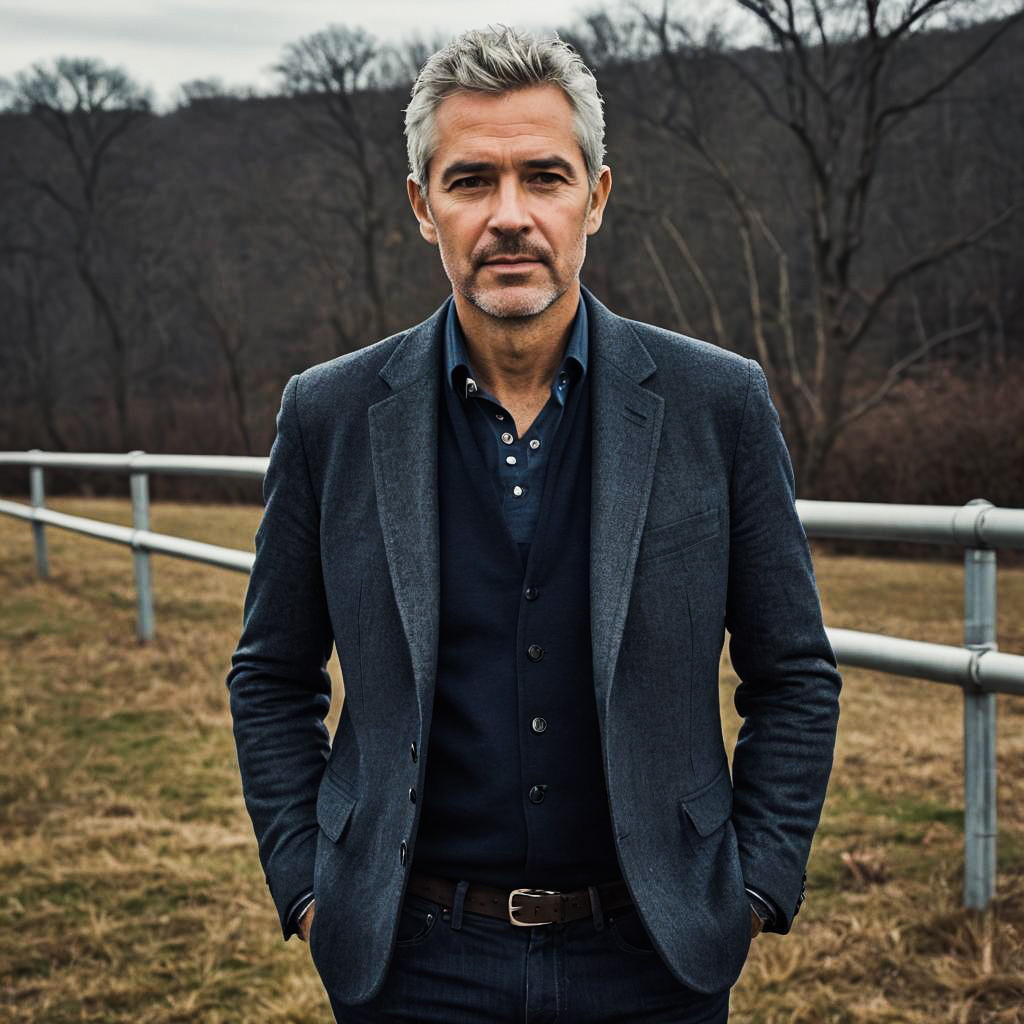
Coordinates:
(693, 532)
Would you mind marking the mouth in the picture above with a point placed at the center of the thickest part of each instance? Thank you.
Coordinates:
(512, 263)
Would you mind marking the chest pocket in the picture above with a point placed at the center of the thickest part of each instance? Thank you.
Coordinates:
(665, 541)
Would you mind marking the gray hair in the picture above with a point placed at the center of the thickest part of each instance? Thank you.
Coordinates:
(497, 60)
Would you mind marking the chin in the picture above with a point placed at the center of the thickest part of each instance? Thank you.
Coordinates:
(514, 303)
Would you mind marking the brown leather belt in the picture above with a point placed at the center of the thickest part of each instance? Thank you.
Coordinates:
(523, 907)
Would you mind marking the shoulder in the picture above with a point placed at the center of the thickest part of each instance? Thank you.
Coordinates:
(672, 362)
(680, 353)
(696, 374)
(353, 375)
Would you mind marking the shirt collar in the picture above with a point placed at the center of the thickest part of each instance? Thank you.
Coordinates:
(457, 355)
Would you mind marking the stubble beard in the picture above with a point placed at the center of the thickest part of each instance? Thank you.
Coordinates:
(515, 302)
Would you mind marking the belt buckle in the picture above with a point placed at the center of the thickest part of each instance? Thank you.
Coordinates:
(536, 894)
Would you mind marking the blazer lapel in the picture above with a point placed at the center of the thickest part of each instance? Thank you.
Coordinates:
(403, 442)
(626, 424)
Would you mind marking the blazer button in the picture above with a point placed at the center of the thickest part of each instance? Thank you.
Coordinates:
(412, 752)
(412, 795)
(535, 652)
(531, 593)
(403, 852)
(537, 794)
(538, 725)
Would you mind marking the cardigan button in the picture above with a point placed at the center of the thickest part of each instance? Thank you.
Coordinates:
(412, 752)
(538, 725)
(531, 593)
(403, 852)
(537, 794)
(535, 652)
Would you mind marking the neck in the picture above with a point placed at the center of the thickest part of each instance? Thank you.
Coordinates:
(517, 357)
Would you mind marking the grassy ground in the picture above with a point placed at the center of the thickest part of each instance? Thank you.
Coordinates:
(129, 884)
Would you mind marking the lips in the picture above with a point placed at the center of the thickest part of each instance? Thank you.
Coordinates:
(512, 261)
(508, 259)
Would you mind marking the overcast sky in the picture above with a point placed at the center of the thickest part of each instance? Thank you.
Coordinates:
(164, 44)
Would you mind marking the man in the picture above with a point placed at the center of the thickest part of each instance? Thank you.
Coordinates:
(526, 524)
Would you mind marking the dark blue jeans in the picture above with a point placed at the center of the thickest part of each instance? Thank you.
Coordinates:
(452, 967)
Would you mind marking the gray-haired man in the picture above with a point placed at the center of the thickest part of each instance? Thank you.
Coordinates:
(526, 524)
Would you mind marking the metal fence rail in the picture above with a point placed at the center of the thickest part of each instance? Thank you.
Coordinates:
(977, 524)
(977, 667)
(140, 540)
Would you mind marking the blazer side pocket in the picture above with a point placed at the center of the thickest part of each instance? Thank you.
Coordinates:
(334, 806)
(709, 807)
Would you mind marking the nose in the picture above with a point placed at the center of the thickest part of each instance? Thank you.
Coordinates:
(511, 215)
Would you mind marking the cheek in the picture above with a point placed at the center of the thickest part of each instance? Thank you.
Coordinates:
(460, 237)
(572, 240)
(567, 227)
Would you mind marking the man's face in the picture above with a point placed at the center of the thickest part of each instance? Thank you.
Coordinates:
(508, 202)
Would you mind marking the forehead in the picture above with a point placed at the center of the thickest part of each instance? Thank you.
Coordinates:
(477, 125)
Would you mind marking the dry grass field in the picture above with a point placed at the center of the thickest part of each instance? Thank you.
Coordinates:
(130, 890)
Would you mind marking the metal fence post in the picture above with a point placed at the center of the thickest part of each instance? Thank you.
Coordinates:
(38, 494)
(979, 734)
(143, 588)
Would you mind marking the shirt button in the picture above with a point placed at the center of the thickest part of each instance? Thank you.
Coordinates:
(499, 416)
(538, 725)
(471, 387)
(518, 491)
(510, 459)
(412, 752)
(507, 437)
(531, 593)
(403, 852)
(535, 652)
(412, 795)
(535, 444)
(537, 794)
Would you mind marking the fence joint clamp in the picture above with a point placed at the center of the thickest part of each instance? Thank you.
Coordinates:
(968, 521)
(975, 683)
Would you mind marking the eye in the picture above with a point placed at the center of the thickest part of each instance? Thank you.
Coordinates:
(469, 182)
(548, 178)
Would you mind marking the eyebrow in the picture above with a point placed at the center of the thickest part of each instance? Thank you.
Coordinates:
(547, 163)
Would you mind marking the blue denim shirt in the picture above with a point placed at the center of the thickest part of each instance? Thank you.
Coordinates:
(517, 463)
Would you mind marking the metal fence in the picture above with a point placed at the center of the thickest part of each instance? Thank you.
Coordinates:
(977, 667)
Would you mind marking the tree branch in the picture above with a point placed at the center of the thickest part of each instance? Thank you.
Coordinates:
(717, 324)
(920, 263)
(666, 282)
(898, 110)
(899, 370)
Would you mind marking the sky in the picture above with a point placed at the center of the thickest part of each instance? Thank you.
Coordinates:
(162, 45)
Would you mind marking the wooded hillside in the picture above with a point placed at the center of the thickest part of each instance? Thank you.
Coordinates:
(841, 202)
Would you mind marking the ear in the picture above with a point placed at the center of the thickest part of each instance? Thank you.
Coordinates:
(598, 199)
(422, 210)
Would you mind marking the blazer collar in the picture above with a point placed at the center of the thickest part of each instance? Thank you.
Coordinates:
(418, 353)
(614, 339)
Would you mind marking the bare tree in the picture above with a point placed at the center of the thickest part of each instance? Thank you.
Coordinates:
(833, 84)
(87, 109)
(330, 75)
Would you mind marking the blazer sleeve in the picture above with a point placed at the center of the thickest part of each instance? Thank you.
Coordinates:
(788, 694)
(278, 684)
